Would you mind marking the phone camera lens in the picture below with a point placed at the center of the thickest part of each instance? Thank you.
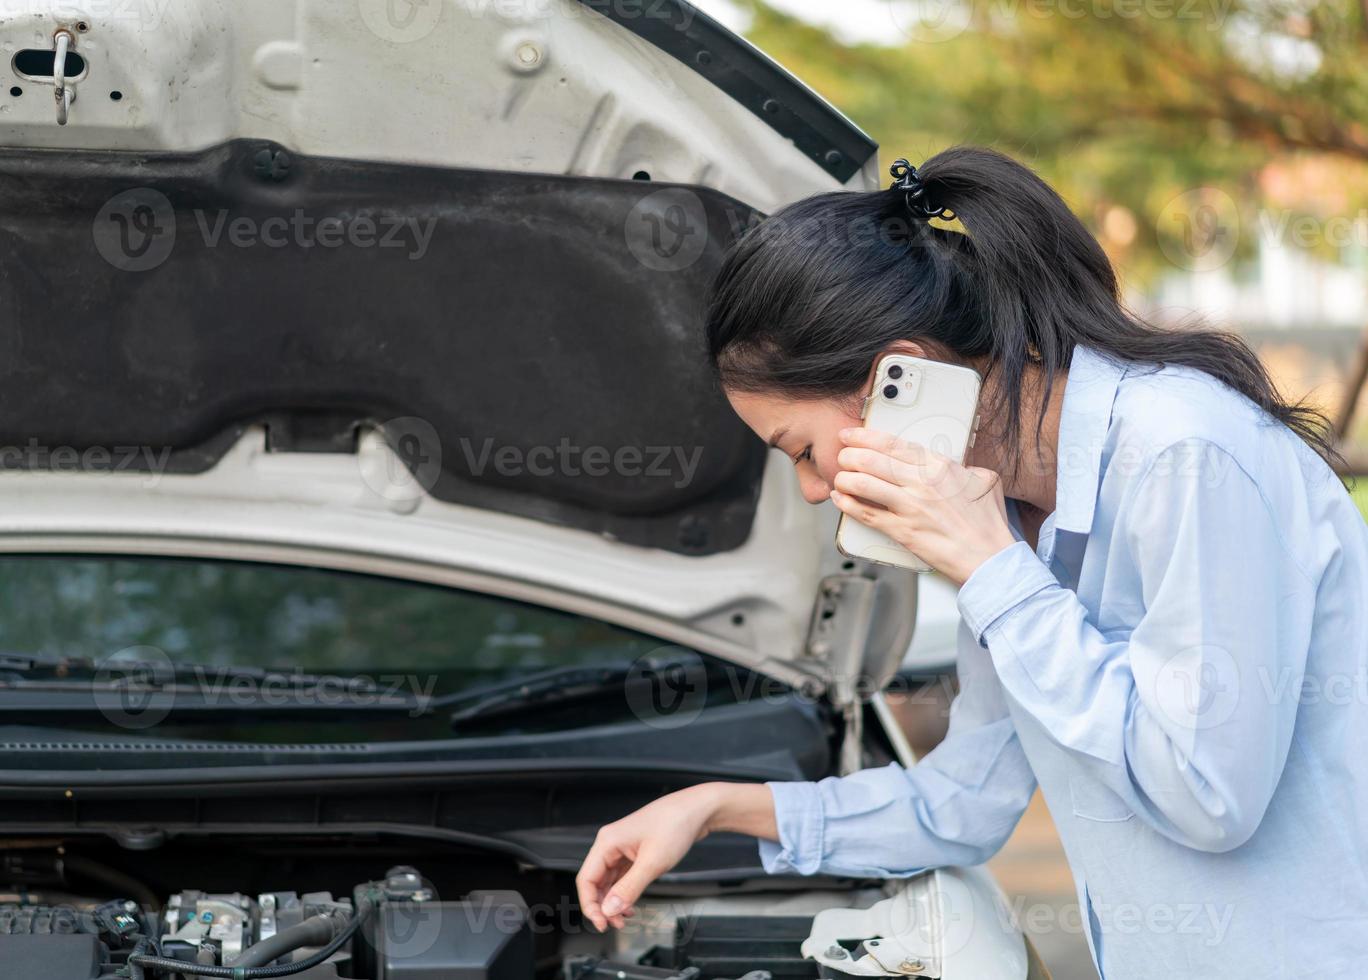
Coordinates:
(890, 391)
(895, 371)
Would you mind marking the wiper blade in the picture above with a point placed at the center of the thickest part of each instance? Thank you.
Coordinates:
(155, 673)
(564, 684)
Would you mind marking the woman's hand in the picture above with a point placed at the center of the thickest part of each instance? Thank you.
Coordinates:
(950, 516)
(633, 852)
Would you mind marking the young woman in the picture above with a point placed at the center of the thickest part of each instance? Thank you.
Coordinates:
(1163, 585)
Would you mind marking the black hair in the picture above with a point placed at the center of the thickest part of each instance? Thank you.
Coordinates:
(807, 299)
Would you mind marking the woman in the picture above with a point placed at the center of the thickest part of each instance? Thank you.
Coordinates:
(1163, 585)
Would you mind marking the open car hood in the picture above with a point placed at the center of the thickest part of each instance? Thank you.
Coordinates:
(408, 287)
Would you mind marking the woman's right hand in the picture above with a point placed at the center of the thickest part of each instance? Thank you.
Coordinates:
(632, 852)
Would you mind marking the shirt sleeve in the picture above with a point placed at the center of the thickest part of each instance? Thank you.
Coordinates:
(956, 806)
(1186, 713)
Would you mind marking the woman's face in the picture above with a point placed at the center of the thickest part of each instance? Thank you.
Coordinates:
(804, 430)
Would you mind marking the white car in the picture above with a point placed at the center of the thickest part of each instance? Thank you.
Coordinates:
(373, 529)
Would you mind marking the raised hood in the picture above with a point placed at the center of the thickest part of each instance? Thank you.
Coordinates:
(404, 286)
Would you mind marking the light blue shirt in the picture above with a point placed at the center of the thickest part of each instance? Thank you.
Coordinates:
(1182, 665)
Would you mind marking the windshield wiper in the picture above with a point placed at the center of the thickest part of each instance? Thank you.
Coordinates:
(36, 671)
(561, 685)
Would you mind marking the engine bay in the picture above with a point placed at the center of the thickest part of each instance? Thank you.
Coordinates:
(399, 925)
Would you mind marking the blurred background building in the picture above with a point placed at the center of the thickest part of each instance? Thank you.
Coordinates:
(1218, 149)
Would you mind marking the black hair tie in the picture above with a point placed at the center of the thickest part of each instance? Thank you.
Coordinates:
(907, 180)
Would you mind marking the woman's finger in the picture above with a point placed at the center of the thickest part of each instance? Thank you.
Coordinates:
(870, 461)
(888, 444)
(868, 514)
(595, 877)
(872, 490)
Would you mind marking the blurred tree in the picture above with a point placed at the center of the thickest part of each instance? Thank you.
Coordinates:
(1179, 130)
(1123, 105)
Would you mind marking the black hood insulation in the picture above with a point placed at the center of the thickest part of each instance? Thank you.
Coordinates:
(529, 343)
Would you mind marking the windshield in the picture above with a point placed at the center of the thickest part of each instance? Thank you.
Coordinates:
(432, 661)
(172, 648)
(244, 614)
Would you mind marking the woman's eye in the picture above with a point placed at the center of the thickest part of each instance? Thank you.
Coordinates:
(805, 454)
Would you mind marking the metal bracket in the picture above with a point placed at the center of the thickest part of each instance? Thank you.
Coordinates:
(64, 93)
(838, 636)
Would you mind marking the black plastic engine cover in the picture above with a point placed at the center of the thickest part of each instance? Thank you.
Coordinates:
(486, 936)
(61, 957)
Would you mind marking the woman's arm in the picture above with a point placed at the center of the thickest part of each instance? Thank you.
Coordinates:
(956, 806)
(1188, 716)
(632, 852)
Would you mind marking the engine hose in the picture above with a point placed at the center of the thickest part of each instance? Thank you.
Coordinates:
(165, 964)
(121, 884)
(316, 930)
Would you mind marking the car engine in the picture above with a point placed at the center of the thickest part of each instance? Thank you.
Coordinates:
(390, 929)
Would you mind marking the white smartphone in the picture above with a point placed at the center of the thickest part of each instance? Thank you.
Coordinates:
(927, 402)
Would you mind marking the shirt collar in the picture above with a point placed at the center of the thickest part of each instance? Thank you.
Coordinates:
(1084, 419)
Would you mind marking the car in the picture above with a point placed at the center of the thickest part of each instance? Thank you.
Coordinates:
(374, 529)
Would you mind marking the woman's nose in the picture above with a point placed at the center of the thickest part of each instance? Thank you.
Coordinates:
(815, 489)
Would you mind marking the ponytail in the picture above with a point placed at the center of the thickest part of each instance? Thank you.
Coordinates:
(807, 300)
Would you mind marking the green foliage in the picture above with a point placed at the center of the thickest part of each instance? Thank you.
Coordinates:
(1123, 104)
(1358, 489)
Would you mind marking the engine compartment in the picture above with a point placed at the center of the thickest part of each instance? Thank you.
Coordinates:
(68, 915)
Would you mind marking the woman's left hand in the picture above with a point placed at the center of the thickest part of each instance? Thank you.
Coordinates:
(950, 516)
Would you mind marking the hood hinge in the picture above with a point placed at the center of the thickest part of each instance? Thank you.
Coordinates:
(838, 636)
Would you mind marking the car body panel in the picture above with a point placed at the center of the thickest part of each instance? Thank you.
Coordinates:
(549, 88)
